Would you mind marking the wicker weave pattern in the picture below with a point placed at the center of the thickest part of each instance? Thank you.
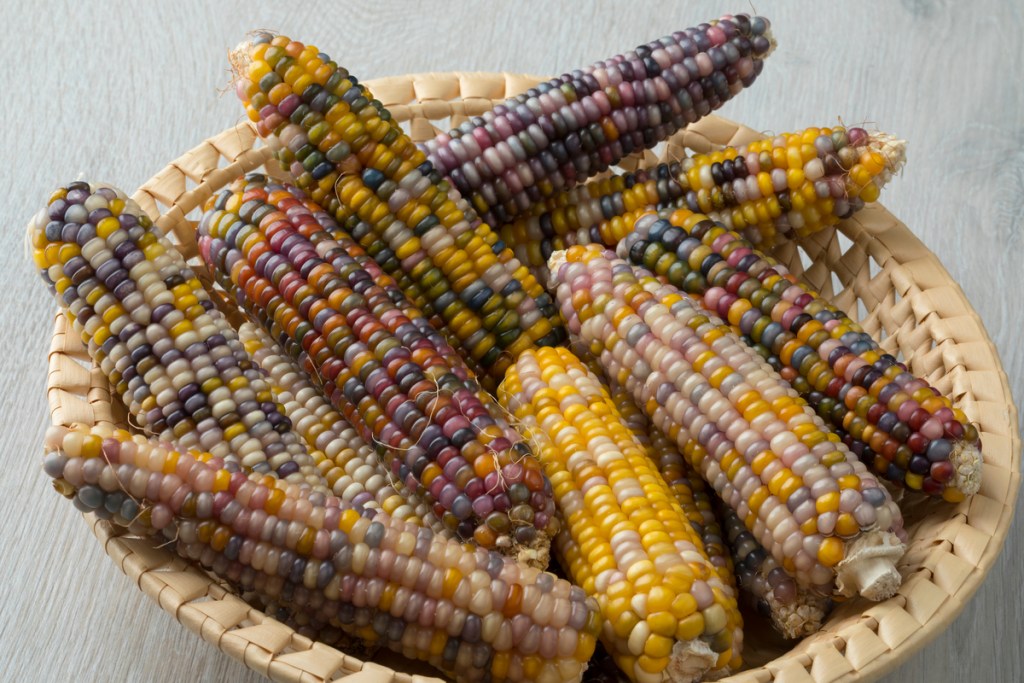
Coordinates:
(872, 266)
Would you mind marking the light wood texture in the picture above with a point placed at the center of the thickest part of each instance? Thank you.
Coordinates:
(116, 93)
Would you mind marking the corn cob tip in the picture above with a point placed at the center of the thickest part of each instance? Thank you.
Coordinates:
(556, 260)
(240, 57)
(800, 618)
(966, 459)
(869, 568)
(536, 553)
(238, 60)
(893, 149)
(772, 43)
(690, 660)
(761, 27)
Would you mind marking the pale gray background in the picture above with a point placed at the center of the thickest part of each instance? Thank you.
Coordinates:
(114, 91)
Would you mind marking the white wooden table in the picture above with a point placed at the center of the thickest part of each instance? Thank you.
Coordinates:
(114, 92)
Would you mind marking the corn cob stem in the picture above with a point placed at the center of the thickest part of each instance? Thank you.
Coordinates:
(343, 148)
(625, 537)
(380, 364)
(901, 427)
(799, 491)
(563, 131)
(473, 613)
(155, 333)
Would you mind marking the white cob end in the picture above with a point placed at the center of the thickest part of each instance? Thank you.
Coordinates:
(895, 152)
(966, 460)
(535, 554)
(772, 43)
(689, 661)
(239, 59)
(800, 618)
(869, 568)
(555, 262)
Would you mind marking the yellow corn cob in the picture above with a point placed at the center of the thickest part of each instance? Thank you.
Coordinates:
(625, 539)
(689, 489)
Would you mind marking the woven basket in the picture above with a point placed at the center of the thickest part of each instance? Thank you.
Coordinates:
(872, 267)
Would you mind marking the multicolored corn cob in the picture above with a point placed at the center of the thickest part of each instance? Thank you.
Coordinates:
(897, 424)
(380, 363)
(349, 465)
(791, 185)
(626, 540)
(344, 149)
(572, 127)
(802, 494)
(601, 211)
(153, 330)
(473, 613)
(794, 612)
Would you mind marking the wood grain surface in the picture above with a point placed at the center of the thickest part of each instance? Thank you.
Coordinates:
(113, 91)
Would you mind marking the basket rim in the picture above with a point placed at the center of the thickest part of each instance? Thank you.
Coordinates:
(159, 572)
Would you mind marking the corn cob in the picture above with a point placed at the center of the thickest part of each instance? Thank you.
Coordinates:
(303, 624)
(349, 464)
(793, 612)
(381, 365)
(473, 613)
(810, 502)
(345, 150)
(168, 352)
(574, 126)
(625, 540)
(601, 211)
(791, 185)
(897, 424)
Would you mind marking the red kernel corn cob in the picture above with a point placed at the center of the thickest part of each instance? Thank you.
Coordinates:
(345, 150)
(626, 540)
(572, 127)
(381, 365)
(800, 492)
(154, 331)
(473, 613)
(897, 424)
